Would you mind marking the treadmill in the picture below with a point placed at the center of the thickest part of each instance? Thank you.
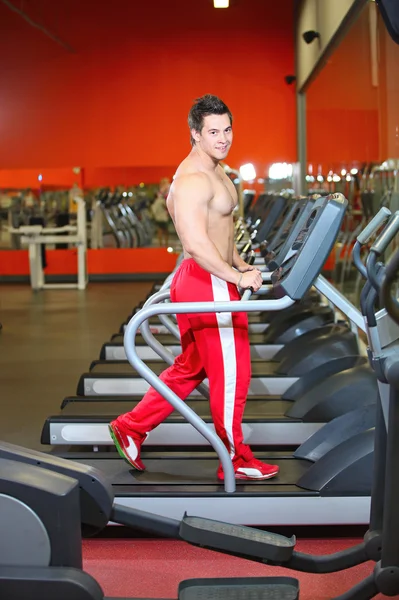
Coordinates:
(333, 490)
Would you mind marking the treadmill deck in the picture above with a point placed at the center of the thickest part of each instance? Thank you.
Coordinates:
(172, 486)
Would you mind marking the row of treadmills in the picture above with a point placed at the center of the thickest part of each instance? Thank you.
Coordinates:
(312, 399)
(47, 503)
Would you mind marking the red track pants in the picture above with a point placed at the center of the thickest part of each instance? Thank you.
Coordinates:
(214, 346)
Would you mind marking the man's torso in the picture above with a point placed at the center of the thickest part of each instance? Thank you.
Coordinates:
(224, 199)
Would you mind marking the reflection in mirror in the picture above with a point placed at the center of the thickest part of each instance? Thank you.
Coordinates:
(353, 130)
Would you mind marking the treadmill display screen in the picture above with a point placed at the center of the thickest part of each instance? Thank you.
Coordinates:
(303, 234)
(283, 269)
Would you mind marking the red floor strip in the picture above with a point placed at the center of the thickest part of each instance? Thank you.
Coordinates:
(154, 568)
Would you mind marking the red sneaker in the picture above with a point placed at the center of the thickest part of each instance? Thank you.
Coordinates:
(250, 468)
(128, 446)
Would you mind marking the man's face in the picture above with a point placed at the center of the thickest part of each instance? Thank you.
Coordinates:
(216, 136)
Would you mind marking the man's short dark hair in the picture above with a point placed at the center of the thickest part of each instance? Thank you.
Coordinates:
(203, 107)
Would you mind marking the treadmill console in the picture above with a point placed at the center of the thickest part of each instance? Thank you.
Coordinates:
(286, 250)
(275, 211)
(291, 216)
(312, 247)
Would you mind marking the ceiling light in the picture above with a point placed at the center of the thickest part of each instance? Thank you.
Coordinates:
(221, 3)
(280, 171)
(248, 172)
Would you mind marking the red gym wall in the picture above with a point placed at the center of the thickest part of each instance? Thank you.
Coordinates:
(118, 106)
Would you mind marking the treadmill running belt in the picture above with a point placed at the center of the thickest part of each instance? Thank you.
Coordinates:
(180, 471)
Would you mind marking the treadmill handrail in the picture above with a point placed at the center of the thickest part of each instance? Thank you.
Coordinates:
(340, 302)
(167, 283)
(364, 237)
(170, 326)
(164, 319)
(373, 226)
(165, 391)
(387, 288)
(387, 235)
(145, 329)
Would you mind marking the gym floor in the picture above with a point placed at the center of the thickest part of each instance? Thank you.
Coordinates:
(48, 339)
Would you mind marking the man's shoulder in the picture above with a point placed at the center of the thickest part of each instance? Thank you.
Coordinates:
(190, 168)
(191, 178)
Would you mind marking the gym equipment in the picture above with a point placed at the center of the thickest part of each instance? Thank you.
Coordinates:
(36, 235)
(46, 503)
(123, 227)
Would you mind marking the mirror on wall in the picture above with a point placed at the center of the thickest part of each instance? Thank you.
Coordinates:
(352, 120)
(352, 114)
(116, 216)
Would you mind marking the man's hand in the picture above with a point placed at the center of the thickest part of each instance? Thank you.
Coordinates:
(251, 278)
(244, 267)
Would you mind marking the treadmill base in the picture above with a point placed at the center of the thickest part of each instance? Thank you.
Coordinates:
(257, 510)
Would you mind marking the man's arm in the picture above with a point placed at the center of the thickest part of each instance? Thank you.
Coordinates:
(191, 197)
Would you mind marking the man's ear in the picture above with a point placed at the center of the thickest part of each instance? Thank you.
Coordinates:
(195, 135)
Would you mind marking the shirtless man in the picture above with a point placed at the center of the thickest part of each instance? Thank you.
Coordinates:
(201, 201)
